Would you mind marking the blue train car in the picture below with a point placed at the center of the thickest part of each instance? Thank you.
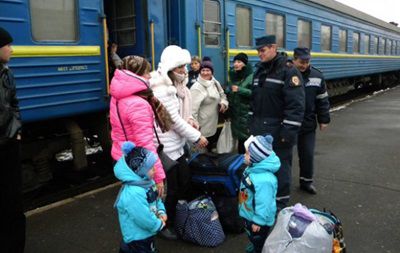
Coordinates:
(349, 46)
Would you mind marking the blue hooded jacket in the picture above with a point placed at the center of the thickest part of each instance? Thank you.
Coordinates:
(138, 206)
(257, 196)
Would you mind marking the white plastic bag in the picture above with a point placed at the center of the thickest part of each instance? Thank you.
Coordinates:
(314, 239)
(226, 143)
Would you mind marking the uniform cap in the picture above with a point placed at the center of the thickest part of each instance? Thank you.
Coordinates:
(302, 53)
(265, 40)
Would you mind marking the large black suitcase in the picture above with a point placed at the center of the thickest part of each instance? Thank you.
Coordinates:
(228, 210)
(217, 174)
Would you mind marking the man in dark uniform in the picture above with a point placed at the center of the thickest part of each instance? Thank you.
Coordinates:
(317, 110)
(277, 108)
(12, 215)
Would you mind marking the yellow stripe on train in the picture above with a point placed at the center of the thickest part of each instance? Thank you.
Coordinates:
(234, 51)
(55, 51)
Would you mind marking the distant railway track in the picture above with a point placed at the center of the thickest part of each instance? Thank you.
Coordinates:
(355, 95)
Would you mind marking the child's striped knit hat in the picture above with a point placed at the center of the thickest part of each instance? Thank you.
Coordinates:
(259, 147)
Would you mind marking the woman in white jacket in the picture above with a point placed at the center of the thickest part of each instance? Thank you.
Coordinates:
(169, 86)
(208, 99)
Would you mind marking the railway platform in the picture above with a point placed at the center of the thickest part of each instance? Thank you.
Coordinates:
(357, 177)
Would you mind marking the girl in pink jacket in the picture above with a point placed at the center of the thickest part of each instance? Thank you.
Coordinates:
(131, 113)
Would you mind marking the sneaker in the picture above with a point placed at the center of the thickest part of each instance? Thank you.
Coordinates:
(169, 234)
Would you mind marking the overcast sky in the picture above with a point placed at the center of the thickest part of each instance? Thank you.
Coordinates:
(387, 10)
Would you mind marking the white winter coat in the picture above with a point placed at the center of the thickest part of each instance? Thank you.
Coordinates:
(175, 139)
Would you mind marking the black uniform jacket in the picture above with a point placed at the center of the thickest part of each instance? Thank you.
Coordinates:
(317, 100)
(278, 101)
(10, 122)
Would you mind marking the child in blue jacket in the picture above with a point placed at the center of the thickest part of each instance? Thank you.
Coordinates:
(141, 213)
(257, 196)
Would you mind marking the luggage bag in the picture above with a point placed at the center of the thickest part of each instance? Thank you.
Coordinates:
(198, 222)
(217, 174)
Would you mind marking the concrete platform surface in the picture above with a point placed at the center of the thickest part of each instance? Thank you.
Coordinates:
(357, 177)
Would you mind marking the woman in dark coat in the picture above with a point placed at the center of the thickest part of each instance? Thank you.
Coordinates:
(239, 92)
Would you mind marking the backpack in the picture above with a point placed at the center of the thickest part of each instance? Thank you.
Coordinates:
(332, 224)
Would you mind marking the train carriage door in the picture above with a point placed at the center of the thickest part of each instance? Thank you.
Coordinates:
(126, 20)
(213, 37)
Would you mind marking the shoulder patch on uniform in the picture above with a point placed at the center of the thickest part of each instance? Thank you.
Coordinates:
(295, 81)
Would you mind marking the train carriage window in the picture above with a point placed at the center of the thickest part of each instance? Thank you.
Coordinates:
(366, 43)
(398, 48)
(276, 26)
(381, 45)
(54, 20)
(326, 38)
(123, 26)
(212, 23)
(356, 43)
(304, 33)
(376, 45)
(243, 27)
(342, 40)
(393, 48)
(388, 46)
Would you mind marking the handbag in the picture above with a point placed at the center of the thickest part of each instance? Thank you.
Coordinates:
(226, 143)
(166, 161)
